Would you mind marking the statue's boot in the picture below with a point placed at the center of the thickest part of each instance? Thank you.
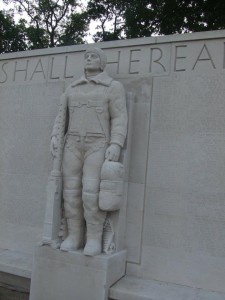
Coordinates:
(94, 239)
(74, 240)
(94, 217)
(75, 222)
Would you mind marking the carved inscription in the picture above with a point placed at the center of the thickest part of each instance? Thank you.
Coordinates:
(204, 56)
(4, 73)
(158, 59)
(66, 74)
(155, 58)
(179, 57)
(19, 69)
(51, 70)
(38, 69)
(133, 60)
(117, 62)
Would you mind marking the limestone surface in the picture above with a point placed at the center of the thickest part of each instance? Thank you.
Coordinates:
(92, 120)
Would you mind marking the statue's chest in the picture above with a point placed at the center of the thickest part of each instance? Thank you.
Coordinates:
(89, 100)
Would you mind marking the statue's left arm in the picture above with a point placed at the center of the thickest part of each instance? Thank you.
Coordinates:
(118, 119)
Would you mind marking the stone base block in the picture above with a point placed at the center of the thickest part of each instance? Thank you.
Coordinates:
(133, 288)
(58, 275)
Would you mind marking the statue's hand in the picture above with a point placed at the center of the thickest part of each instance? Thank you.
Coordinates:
(53, 146)
(113, 152)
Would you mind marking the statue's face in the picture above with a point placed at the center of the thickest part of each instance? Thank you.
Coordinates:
(92, 62)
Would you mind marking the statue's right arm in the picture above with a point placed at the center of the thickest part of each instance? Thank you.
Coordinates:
(59, 123)
(53, 145)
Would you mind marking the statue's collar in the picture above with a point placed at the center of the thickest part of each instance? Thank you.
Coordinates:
(102, 78)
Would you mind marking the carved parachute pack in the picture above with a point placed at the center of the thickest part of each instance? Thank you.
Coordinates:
(111, 186)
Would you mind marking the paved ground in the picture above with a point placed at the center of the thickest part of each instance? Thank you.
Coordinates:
(6, 294)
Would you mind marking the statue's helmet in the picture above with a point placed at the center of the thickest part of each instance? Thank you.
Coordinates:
(100, 53)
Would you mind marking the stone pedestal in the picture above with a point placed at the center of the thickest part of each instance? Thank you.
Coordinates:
(58, 275)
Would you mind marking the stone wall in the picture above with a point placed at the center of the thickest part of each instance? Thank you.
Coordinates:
(175, 226)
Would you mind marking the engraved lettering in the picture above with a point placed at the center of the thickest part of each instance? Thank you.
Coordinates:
(208, 58)
(65, 69)
(38, 71)
(116, 62)
(177, 57)
(4, 71)
(21, 70)
(133, 60)
(51, 75)
(157, 60)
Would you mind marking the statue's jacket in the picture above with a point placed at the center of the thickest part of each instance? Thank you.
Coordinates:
(95, 107)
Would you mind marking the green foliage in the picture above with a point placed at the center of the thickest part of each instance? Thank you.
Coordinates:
(147, 17)
(143, 18)
(48, 21)
(51, 23)
(36, 38)
(12, 37)
(206, 15)
(140, 19)
(75, 29)
(106, 11)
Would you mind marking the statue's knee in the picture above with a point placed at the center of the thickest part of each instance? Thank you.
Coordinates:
(71, 183)
(91, 186)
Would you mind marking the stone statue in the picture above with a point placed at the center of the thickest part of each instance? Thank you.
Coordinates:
(93, 118)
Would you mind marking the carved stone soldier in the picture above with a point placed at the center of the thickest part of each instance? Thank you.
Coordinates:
(95, 131)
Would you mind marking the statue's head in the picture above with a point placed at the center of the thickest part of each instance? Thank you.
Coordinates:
(97, 56)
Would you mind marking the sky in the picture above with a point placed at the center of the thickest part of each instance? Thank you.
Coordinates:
(92, 26)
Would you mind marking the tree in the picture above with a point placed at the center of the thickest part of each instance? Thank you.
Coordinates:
(12, 36)
(36, 37)
(206, 15)
(143, 18)
(51, 23)
(107, 11)
(48, 19)
(173, 16)
(75, 29)
(140, 19)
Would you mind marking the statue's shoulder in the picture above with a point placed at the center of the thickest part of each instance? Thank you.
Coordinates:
(117, 85)
(75, 83)
(106, 79)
